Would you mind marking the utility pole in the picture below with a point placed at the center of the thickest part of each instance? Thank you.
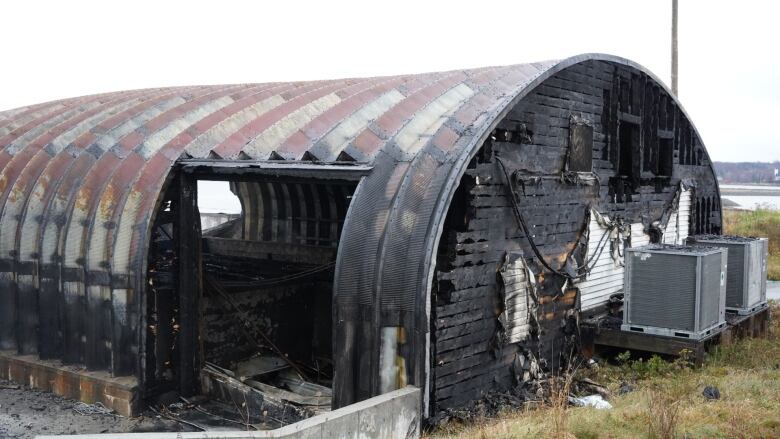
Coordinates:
(674, 47)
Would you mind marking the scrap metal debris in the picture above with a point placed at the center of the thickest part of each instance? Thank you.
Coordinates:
(167, 414)
(264, 398)
(199, 408)
(259, 365)
(302, 387)
(285, 386)
(97, 408)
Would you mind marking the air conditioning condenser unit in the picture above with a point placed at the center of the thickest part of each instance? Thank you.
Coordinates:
(676, 291)
(747, 268)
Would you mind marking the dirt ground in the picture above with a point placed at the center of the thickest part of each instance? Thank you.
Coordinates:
(25, 413)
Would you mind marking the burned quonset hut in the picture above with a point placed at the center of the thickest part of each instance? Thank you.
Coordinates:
(443, 230)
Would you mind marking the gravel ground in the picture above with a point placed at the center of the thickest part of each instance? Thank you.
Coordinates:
(25, 413)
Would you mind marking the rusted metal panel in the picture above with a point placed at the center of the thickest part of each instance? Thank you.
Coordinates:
(13, 119)
(100, 208)
(335, 127)
(31, 152)
(235, 116)
(294, 100)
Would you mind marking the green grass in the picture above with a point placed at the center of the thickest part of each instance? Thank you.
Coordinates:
(747, 373)
(765, 223)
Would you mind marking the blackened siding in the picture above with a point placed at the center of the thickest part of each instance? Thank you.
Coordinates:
(533, 140)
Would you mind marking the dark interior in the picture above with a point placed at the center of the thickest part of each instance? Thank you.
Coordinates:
(268, 275)
(629, 143)
(266, 288)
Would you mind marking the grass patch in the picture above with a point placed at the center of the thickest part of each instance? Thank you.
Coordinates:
(667, 402)
(761, 222)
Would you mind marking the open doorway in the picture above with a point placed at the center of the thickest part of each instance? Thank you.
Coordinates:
(261, 263)
(217, 204)
(268, 286)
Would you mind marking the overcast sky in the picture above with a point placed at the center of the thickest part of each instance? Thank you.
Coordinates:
(729, 68)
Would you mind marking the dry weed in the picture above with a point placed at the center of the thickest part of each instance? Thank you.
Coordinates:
(663, 413)
(741, 422)
(560, 389)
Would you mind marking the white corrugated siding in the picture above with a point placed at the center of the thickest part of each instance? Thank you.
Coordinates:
(606, 277)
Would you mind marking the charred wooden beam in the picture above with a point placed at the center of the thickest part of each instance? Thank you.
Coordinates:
(190, 284)
(252, 169)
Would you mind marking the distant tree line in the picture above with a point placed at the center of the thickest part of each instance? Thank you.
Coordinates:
(747, 172)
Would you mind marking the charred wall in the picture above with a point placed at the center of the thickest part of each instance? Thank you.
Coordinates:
(639, 146)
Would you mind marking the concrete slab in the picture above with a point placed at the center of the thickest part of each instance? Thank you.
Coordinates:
(376, 422)
(340, 426)
(394, 415)
(406, 417)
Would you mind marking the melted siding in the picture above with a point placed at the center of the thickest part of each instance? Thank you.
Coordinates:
(679, 221)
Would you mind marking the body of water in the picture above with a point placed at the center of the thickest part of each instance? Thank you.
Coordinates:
(752, 196)
(753, 203)
(750, 187)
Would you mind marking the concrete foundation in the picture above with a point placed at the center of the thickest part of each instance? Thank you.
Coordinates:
(117, 393)
(394, 415)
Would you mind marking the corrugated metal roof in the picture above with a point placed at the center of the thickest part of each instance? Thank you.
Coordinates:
(81, 177)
